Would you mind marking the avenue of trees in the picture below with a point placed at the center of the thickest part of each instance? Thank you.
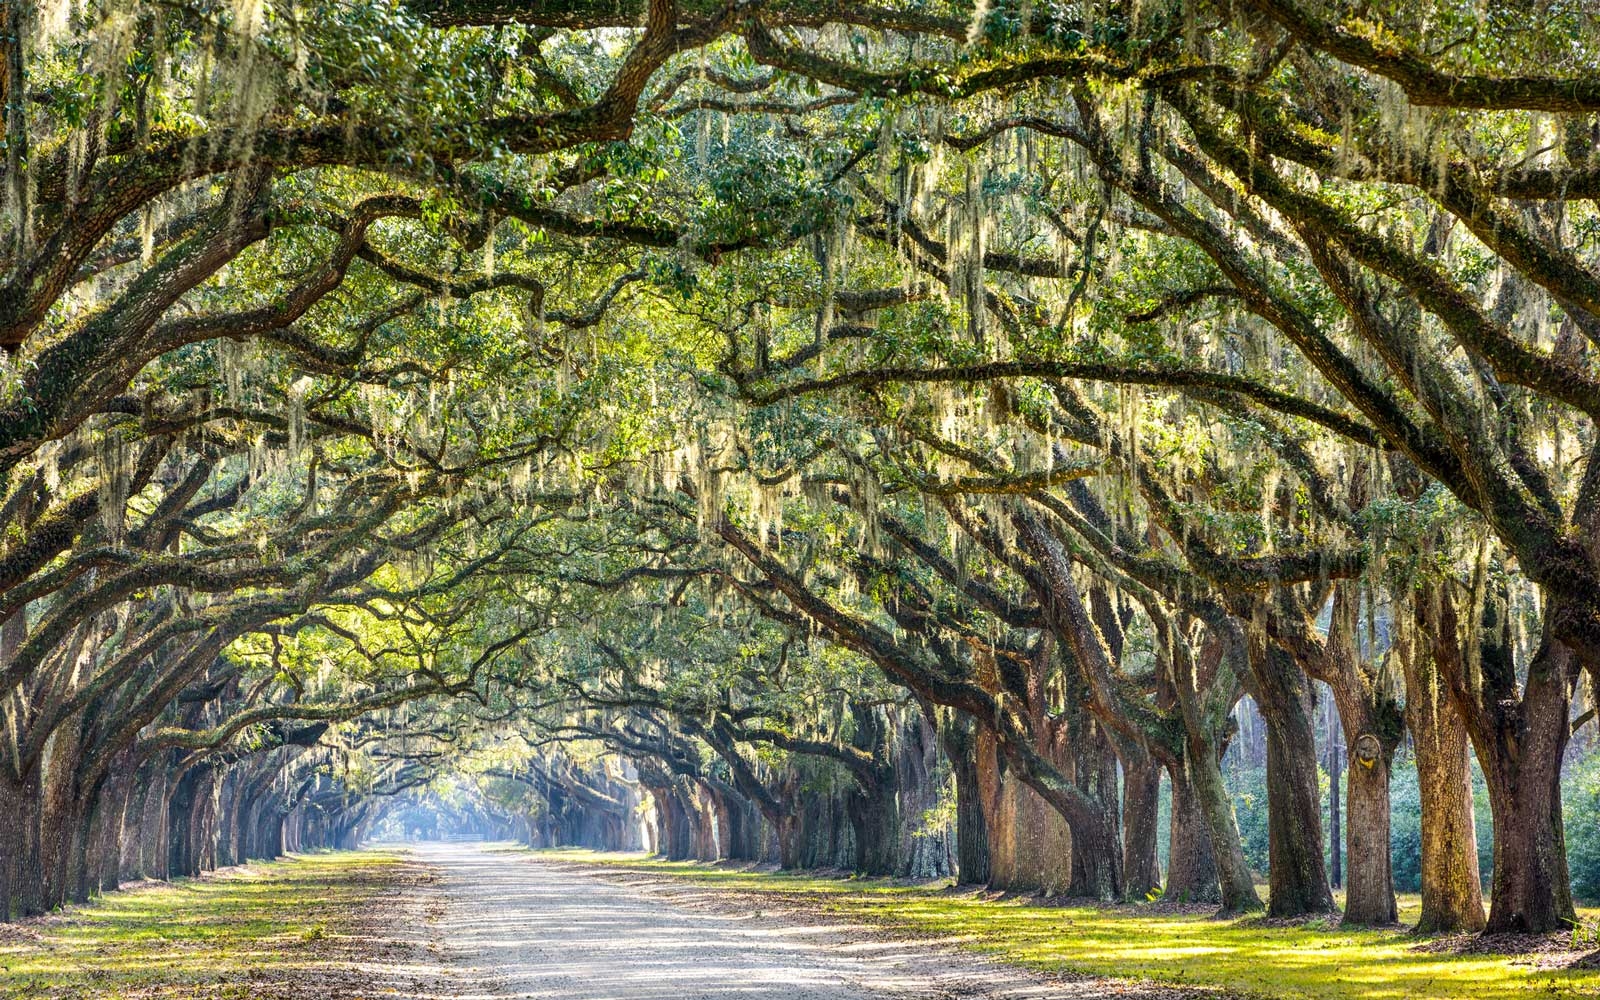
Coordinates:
(907, 436)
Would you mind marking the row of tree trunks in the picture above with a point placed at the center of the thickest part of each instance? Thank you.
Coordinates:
(70, 834)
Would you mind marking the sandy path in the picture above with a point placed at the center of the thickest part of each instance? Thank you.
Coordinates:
(515, 926)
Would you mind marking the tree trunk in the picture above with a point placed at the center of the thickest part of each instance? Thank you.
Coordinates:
(1372, 728)
(871, 802)
(97, 855)
(926, 850)
(1030, 844)
(1141, 802)
(1097, 847)
(1335, 833)
(1297, 881)
(875, 822)
(20, 894)
(1531, 892)
(1191, 868)
(60, 815)
(959, 735)
(1369, 898)
(1452, 887)
(155, 826)
(1235, 881)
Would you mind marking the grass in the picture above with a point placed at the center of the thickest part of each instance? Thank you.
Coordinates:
(1241, 956)
(265, 931)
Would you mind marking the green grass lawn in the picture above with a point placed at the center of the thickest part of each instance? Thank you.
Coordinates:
(260, 932)
(1133, 943)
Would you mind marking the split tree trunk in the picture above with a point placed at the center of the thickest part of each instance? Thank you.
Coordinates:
(1531, 892)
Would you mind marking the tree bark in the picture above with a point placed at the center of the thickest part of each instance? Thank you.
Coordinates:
(1452, 887)
(1097, 848)
(959, 734)
(926, 850)
(1205, 690)
(20, 884)
(1297, 881)
(1531, 891)
(872, 800)
(1141, 782)
(1236, 883)
(1335, 831)
(1030, 844)
(1520, 743)
(1369, 897)
(1191, 868)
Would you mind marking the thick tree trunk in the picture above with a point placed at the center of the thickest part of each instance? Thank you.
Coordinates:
(1097, 847)
(60, 815)
(1191, 868)
(20, 888)
(1531, 892)
(1297, 881)
(959, 734)
(679, 823)
(1371, 726)
(132, 810)
(1335, 824)
(97, 857)
(1369, 896)
(1141, 803)
(875, 822)
(872, 802)
(926, 850)
(156, 824)
(1236, 884)
(1520, 743)
(1452, 887)
(1030, 844)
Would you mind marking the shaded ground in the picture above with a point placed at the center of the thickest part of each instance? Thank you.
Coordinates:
(309, 927)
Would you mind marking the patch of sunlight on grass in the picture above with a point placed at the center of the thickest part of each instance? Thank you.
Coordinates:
(1132, 942)
(193, 937)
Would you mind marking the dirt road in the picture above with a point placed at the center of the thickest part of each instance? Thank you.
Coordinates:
(509, 925)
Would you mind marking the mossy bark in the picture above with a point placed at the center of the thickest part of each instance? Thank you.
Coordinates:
(1191, 867)
(958, 733)
(1297, 881)
(1141, 800)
